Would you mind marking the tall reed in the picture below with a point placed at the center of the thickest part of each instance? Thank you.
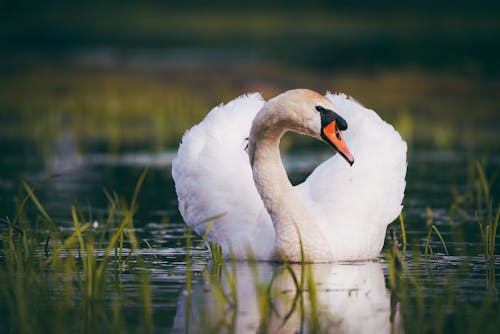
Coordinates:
(487, 211)
(58, 282)
(431, 227)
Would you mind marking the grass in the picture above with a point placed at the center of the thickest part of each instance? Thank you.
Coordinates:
(83, 287)
(287, 297)
(403, 230)
(414, 300)
(486, 215)
(331, 36)
(45, 272)
(443, 310)
(479, 195)
(143, 107)
(424, 308)
(57, 281)
(430, 229)
(80, 276)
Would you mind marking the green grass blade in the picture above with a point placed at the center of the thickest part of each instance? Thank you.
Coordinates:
(113, 241)
(216, 251)
(494, 234)
(68, 243)
(151, 249)
(40, 208)
(138, 186)
(483, 180)
(403, 230)
(428, 248)
(77, 228)
(210, 221)
(440, 238)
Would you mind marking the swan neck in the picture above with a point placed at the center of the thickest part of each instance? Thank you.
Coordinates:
(275, 189)
(269, 174)
(291, 220)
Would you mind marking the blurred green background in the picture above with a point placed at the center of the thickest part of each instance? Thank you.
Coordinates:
(118, 75)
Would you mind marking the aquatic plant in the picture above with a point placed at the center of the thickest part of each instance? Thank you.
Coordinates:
(45, 271)
(217, 255)
(486, 215)
(431, 227)
(479, 196)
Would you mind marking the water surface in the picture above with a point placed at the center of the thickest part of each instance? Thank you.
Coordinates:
(435, 293)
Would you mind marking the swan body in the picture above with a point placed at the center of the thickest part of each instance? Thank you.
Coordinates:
(233, 188)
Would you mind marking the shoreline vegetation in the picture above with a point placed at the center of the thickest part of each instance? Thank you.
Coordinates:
(130, 106)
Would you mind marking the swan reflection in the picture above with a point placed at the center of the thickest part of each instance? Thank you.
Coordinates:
(263, 297)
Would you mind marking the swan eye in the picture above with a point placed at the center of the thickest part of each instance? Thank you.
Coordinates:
(320, 108)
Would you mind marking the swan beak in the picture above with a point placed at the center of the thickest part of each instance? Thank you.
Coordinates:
(334, 136)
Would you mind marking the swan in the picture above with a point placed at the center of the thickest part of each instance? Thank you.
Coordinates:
(232, 187)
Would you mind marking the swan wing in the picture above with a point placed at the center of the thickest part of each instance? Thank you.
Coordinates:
(213, 178)
(354, 205)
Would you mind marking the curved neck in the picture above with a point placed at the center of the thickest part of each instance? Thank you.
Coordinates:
(272, 181)
(289, 216)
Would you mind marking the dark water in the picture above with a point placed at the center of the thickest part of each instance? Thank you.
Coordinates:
(440, 291)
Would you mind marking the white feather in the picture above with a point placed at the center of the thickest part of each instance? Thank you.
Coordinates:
(352, 206)
(213, 177)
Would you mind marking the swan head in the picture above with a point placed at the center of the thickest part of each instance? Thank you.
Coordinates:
(309, 113)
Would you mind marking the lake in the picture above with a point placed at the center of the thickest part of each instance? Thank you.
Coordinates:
(454, 292)
(95, 96)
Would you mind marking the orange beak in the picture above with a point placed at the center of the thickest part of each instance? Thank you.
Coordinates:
(333, 135)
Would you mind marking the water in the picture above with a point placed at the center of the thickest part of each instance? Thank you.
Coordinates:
(433, 294)
(87, 102)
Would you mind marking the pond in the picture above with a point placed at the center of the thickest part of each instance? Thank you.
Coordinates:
(170, 284)
(93, 105)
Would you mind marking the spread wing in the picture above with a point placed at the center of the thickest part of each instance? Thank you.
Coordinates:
(354, 205)
(213, 177)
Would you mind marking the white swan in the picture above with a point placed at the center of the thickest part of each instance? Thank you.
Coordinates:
(340, 213)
